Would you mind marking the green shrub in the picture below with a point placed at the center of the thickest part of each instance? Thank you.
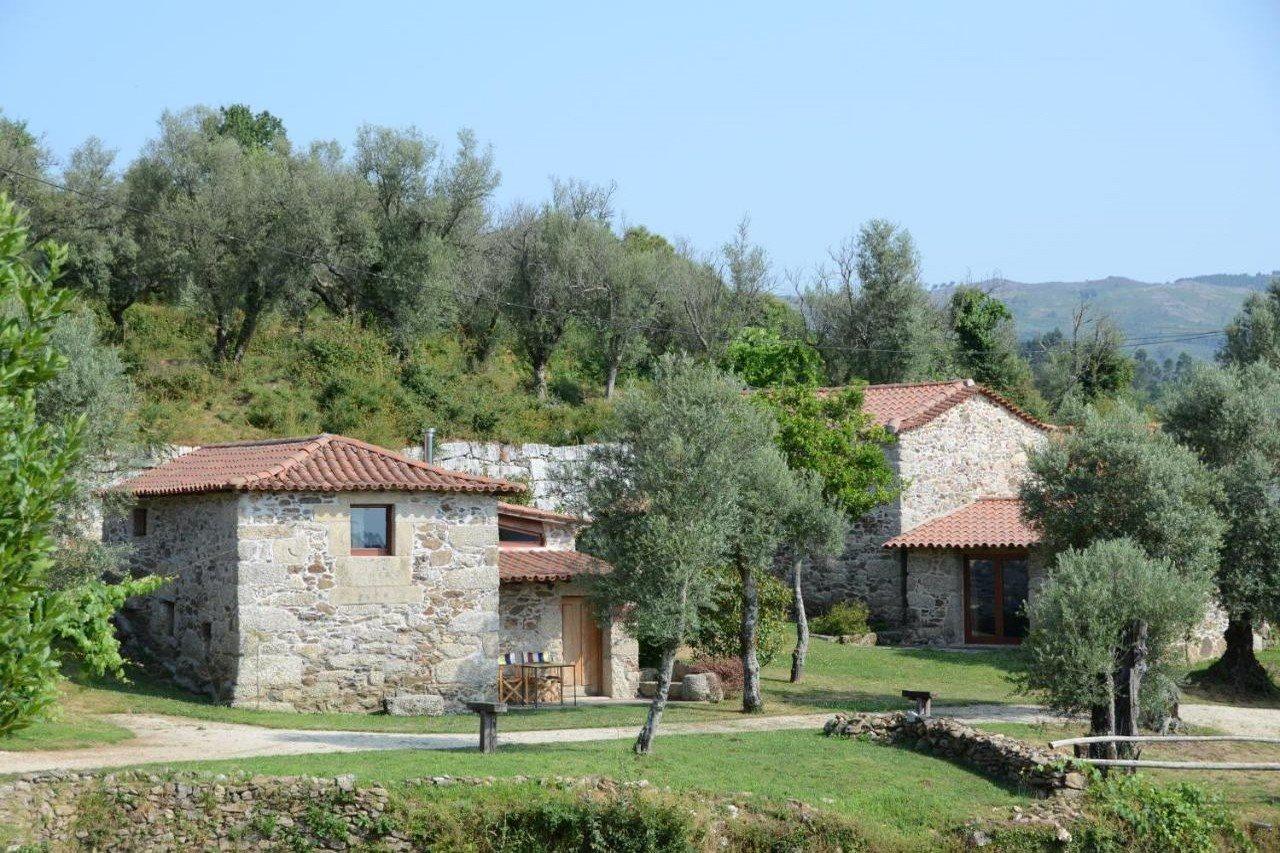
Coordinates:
(1135, 815)
(844, 617)
(720, 626)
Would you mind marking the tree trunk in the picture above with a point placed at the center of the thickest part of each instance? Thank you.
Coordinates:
(541, 376)
(247, 329)
(1238, 670)
(1102, 721)
(802, 623)
(644, 743)
(611, 382)
(1128, 685)
(751, 701)
(221, 341)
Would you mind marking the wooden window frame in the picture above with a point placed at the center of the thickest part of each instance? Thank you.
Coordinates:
(390, 550)
(997, 557)
(522, 525)
(139, 522)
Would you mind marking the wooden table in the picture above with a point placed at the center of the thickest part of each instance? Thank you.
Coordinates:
(488, 712)
(537, 670)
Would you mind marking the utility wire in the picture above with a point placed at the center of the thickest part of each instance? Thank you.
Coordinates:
(1173, 337)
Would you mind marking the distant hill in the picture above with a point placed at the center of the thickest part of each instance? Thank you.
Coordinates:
(1198, 304)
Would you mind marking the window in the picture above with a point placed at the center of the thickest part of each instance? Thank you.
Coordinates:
(139, 521)
(519, 532)
(168, 619)
(370, 531)
(995, 594)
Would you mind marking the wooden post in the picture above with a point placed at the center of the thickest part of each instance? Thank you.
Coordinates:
(488, 712)
(923, 700)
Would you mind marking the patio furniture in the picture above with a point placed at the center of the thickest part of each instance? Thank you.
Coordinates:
(488, 712)
(510, 679)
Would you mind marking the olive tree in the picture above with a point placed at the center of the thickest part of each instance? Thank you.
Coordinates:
(1115, 477)
(662, 497)
(1230, 416)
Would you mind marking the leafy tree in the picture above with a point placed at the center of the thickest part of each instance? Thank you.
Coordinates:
(35, 479)
(1116, 477)
(722, 622)
(1083, 369)
(662, 501)
(262, 130)
(232, 226)
(621, 300)
(763, 359)
(829, 437)
(1102, 624)
(1254, 334)
(870, 312)
(986, 346)
(1152, 379)
(1231, 417)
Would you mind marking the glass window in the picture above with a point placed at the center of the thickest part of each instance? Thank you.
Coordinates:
(139, 521)
(370, 530)
(507, 533)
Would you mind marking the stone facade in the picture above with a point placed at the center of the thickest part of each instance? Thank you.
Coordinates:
(975, 449)
(935, 594)
(269, 609)
(530, 619)
(541, 467)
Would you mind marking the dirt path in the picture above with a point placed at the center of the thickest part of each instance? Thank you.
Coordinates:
(168, 739)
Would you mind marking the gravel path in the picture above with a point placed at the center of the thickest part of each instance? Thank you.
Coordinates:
(168, 739)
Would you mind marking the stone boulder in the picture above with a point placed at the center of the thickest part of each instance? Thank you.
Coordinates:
(702, 687)
(415, 705)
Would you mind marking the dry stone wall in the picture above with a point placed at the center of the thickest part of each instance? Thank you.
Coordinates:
(324, 630)
(539, 466)
(1041, 772)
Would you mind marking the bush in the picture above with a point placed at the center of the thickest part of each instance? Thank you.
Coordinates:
(1136, 815)
(844, 617)
(720, 626)
(729, 669)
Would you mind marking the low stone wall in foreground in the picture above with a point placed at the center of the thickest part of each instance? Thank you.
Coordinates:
(1042, 772)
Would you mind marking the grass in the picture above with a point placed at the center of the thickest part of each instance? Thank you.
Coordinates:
(67, 731)
(1270, 658)
(1252, 795)
(837, 678)
(904, 799)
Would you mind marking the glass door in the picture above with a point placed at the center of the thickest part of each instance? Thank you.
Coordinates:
(995, 590)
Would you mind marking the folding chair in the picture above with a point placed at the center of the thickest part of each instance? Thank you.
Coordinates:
(510, 680)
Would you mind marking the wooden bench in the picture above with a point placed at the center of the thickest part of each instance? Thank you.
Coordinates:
(923, 700)
(488, 712)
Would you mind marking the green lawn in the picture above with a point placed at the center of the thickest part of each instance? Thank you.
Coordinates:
(902, 798)
(837, 678)
(1270, 658)
(66, 731)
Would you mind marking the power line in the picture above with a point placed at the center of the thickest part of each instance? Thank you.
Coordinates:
(1176, 337)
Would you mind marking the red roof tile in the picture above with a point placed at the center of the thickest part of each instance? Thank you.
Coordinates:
(532, 512)
(908, 405)
(985, 523)
(539, 564)
(321, 463)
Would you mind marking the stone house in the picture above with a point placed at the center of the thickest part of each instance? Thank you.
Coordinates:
(325, 573)
(950, 561)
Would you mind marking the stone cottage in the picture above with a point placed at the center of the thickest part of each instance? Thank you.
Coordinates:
(950, 561)
(325, 573)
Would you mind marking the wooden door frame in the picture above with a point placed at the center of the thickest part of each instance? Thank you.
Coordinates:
(580, 666)
(998, 558)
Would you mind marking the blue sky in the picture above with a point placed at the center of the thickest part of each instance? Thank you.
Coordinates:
(1043, 141)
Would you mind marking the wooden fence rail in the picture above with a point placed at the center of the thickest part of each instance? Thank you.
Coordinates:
(1170, 765)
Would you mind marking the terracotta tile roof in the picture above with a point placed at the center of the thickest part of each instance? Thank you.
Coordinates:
(532, 512)
(517, 565)
(908, 405)
(320, 463)
(985, 523)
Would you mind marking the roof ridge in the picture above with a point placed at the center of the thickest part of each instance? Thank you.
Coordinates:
(262, 442)
(302, 454)
(415, 463)
(960, 382)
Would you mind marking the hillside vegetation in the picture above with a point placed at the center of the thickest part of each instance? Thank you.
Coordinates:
(323, 374)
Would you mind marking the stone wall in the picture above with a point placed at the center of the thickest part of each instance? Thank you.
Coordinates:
(935, 594)
(539, 466)
(1041, 772)
(191, 626)
(323, 630)
(530, 620)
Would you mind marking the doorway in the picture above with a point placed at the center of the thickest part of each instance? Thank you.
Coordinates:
(583, 644)
(995, 594)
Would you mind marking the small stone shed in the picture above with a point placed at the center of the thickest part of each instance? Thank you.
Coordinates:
(326, 573)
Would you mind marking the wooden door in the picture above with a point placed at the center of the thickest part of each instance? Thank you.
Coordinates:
(583, 644)
(995, 594)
